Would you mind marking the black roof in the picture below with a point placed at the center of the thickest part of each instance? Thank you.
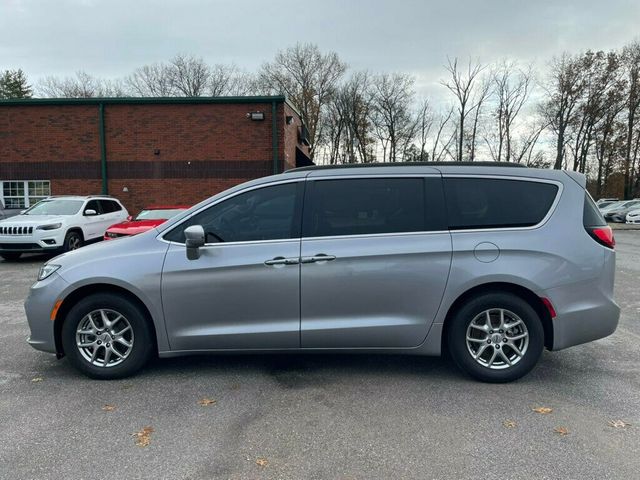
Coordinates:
(409, 164)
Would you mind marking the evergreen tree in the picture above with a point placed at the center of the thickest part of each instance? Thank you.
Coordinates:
(13, 84)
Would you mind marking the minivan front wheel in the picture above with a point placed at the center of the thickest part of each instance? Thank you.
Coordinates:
(496, 337)
(106, 336)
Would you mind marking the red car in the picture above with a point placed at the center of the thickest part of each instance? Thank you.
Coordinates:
(147, 219)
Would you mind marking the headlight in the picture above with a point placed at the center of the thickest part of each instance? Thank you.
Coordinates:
(52, 226)
(46, 270)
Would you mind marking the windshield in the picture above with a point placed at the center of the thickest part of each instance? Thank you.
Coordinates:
(55, 207)
(160, 214)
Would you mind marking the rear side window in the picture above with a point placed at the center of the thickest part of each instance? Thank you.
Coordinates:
(591, 216)
(474, 203)
(109, 206)
(370, 206)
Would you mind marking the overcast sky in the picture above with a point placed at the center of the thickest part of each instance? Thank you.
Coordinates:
(109, 38)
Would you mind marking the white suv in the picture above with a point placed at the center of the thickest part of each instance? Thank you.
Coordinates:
(59, 224)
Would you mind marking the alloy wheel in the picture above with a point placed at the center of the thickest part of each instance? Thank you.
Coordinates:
(497, 338)
(104, 338)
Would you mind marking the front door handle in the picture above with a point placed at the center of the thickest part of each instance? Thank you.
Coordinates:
(320, 257)
(282, 261)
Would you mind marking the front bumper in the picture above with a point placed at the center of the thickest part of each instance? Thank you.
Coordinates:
(38, 242)
(38, 306)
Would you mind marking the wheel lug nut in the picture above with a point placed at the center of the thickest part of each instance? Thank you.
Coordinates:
(99, 342)
(489, 341)
(498, 346)
(490, 331)
(500, 331)
(108, 344)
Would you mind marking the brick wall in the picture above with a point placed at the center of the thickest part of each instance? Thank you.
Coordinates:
(161, 153)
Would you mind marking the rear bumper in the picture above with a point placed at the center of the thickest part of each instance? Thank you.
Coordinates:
(584, 313)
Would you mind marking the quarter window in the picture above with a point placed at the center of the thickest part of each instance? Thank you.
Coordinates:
(370, 206)
(23, 194)
(268, 213)
(496, 203)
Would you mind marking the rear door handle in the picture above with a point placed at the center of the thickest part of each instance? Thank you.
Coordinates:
(320, 257)
(282, 261)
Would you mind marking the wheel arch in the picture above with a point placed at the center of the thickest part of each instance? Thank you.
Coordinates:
(77, 230)
(501, 287)
(75, 296)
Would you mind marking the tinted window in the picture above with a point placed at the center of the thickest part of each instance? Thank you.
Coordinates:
(365, 206)
(93, 205)
(109, 206)
(267, 213)
(591, 216)
(494, 203)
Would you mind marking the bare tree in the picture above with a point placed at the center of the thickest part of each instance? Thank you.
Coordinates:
(151, 81)
(631, 59)
(309, 78)
(189, 76)
(392, 97)
(437, 155)
(564, 89)
(461, 84)
(229, 80)
(424, 123)
(512, 89)
(82, 85)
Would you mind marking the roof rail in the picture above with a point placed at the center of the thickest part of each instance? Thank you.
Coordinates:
(408, 164)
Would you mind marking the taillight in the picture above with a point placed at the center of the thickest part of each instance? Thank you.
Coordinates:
(603, 235)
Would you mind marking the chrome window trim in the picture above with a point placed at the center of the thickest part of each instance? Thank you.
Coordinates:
(544, 220)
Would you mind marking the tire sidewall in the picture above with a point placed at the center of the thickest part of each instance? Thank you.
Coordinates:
(67, 239)
(142, 345)
(456, 337)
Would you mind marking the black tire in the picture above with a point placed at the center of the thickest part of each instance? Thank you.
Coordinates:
(142, 345)
(460, 352)
(11, 256)
(72, 241)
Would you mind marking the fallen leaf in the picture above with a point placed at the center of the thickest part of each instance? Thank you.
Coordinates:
(143, 437)
(562, 431)
(109, 408)
(618, 424)
(263, 462)
(543, 410)
(509, 424)
(37, 379)
(205, 402)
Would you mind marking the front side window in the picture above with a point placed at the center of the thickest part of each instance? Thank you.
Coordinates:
(474, 203)
(366, 206)
(55, 207)
(268, 213)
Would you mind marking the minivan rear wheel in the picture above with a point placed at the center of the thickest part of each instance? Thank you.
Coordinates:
(496, 337)
(107, 336)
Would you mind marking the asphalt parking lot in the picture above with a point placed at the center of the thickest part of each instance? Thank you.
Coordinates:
(297, 416)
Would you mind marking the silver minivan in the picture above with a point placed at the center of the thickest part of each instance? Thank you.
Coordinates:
(491, 263)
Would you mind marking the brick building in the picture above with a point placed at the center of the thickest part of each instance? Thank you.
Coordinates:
(144, 150)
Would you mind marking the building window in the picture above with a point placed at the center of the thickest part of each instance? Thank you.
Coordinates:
(23, 194)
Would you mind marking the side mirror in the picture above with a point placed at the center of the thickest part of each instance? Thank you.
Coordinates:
(90, 213)
(195, 239)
